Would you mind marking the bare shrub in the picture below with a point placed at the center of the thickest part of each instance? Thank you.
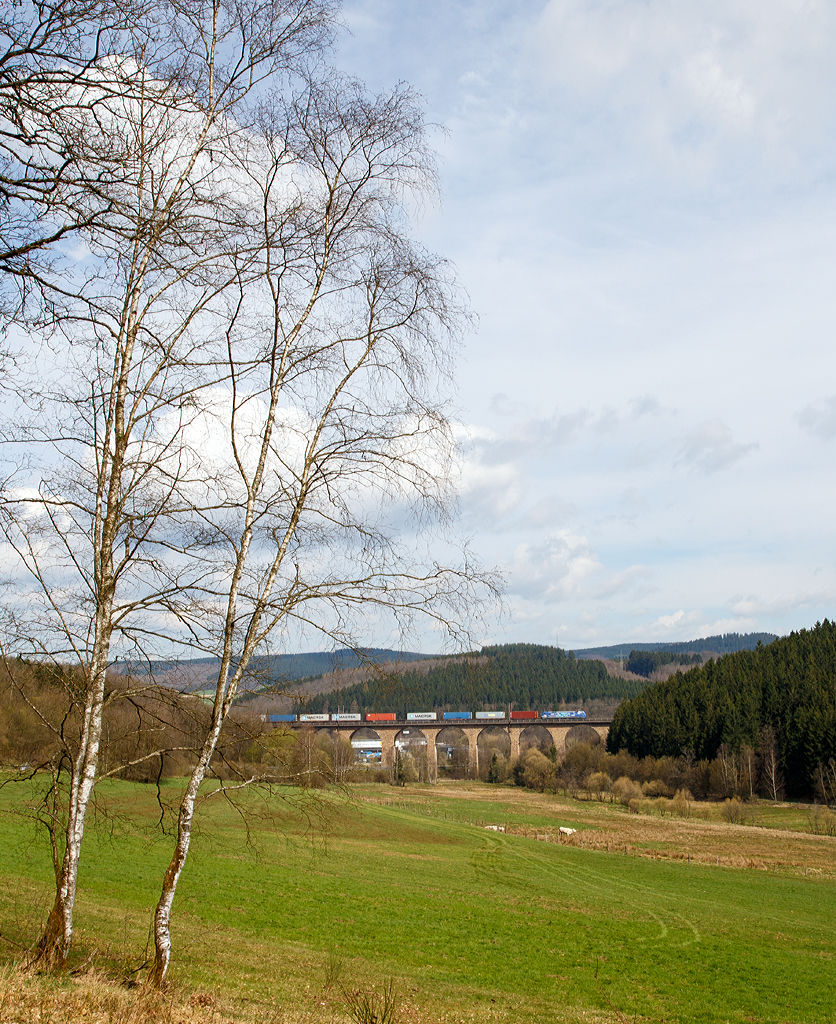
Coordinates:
(663, 805)
(598, 785)
(681, 805)
(825, 778)
(733, 811)
(822, 821)
(368, 1006)
(626, 790)
(538, 771)
(406, 769)
(656, 787)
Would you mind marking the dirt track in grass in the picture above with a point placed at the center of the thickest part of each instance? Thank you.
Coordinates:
(703, 838)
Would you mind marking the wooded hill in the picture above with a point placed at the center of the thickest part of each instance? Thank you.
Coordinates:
(523, 675)
(645, 663)
(788, 686)
(274, 671)
(721, 643)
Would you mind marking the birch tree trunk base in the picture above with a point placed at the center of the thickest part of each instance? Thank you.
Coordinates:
(51, 951)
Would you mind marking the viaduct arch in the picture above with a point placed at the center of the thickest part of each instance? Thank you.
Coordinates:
(560, 732)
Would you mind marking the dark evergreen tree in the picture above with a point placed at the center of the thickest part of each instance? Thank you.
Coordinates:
(521, 675)
(787, 687)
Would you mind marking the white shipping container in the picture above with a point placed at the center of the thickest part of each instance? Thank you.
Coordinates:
(491, 714)
(313, 718)
(421, 716)
(346, 718)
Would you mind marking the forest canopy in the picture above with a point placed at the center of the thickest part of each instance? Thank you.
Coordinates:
(645, 663)
(788, 687)
(523, 675)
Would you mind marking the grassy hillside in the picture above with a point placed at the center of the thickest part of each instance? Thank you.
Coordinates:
(471, 925)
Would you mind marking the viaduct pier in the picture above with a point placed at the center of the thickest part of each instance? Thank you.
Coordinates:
(431, 735)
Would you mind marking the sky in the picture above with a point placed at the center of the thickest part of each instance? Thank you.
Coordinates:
(640, 199)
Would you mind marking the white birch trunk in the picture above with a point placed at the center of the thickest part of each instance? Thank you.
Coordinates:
(54, 945)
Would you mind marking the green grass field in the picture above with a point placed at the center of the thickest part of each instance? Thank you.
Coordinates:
(472, 925)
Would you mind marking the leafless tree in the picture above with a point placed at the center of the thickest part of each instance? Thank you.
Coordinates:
(825, 780)
(729, 761)
(771, 776)
(336, 451)
(98, 502)
(48, 57)
(64, 63)
(232, 422)
(748, 771)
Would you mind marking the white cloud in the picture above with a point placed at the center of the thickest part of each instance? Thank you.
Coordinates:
(820, 422)
(692, 77)
(546, 513)
(711, 447)
(634, 580)
(553, 570)
(489, 493)
(639, 195)
(667, 621)
(502, 405)
(647, 405)
(774, 606)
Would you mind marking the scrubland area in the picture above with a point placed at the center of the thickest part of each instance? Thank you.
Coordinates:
(302, 906)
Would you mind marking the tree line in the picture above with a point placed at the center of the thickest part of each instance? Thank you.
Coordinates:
(589, 768)
(525, 676)
(149, 733)
(645, 663)
(782, 694)
(720, 643)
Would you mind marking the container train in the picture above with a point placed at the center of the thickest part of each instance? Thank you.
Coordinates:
(430, 716)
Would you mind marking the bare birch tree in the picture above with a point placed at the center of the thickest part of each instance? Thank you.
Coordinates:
(332, 418)
(232, 423)
(93, 505)
(48, 53)
(772, 778)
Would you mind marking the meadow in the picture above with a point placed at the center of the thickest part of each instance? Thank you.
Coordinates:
(287, 909)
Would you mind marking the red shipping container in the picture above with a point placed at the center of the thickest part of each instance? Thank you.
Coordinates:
(374, 716)
(524, 714)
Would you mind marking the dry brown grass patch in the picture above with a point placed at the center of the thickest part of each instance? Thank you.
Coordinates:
(26, 996)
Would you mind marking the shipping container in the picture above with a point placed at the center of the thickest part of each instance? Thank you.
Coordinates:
(456, 715)
(524, 714)
(491, 714)
(281, 718)
(380, 716)
(313, 718)
(421, 716)
(346, 718)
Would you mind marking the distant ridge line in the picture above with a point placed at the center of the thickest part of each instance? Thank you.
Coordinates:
(722, 643)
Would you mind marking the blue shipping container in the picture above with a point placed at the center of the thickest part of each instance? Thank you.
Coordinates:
(282, 718)
(456, 715)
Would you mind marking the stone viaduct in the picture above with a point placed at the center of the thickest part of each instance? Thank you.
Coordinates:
(390, 732)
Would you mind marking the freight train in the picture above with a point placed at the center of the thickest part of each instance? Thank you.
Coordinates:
(431, 716)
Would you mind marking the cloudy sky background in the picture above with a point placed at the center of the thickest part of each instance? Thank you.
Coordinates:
(640, 198)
